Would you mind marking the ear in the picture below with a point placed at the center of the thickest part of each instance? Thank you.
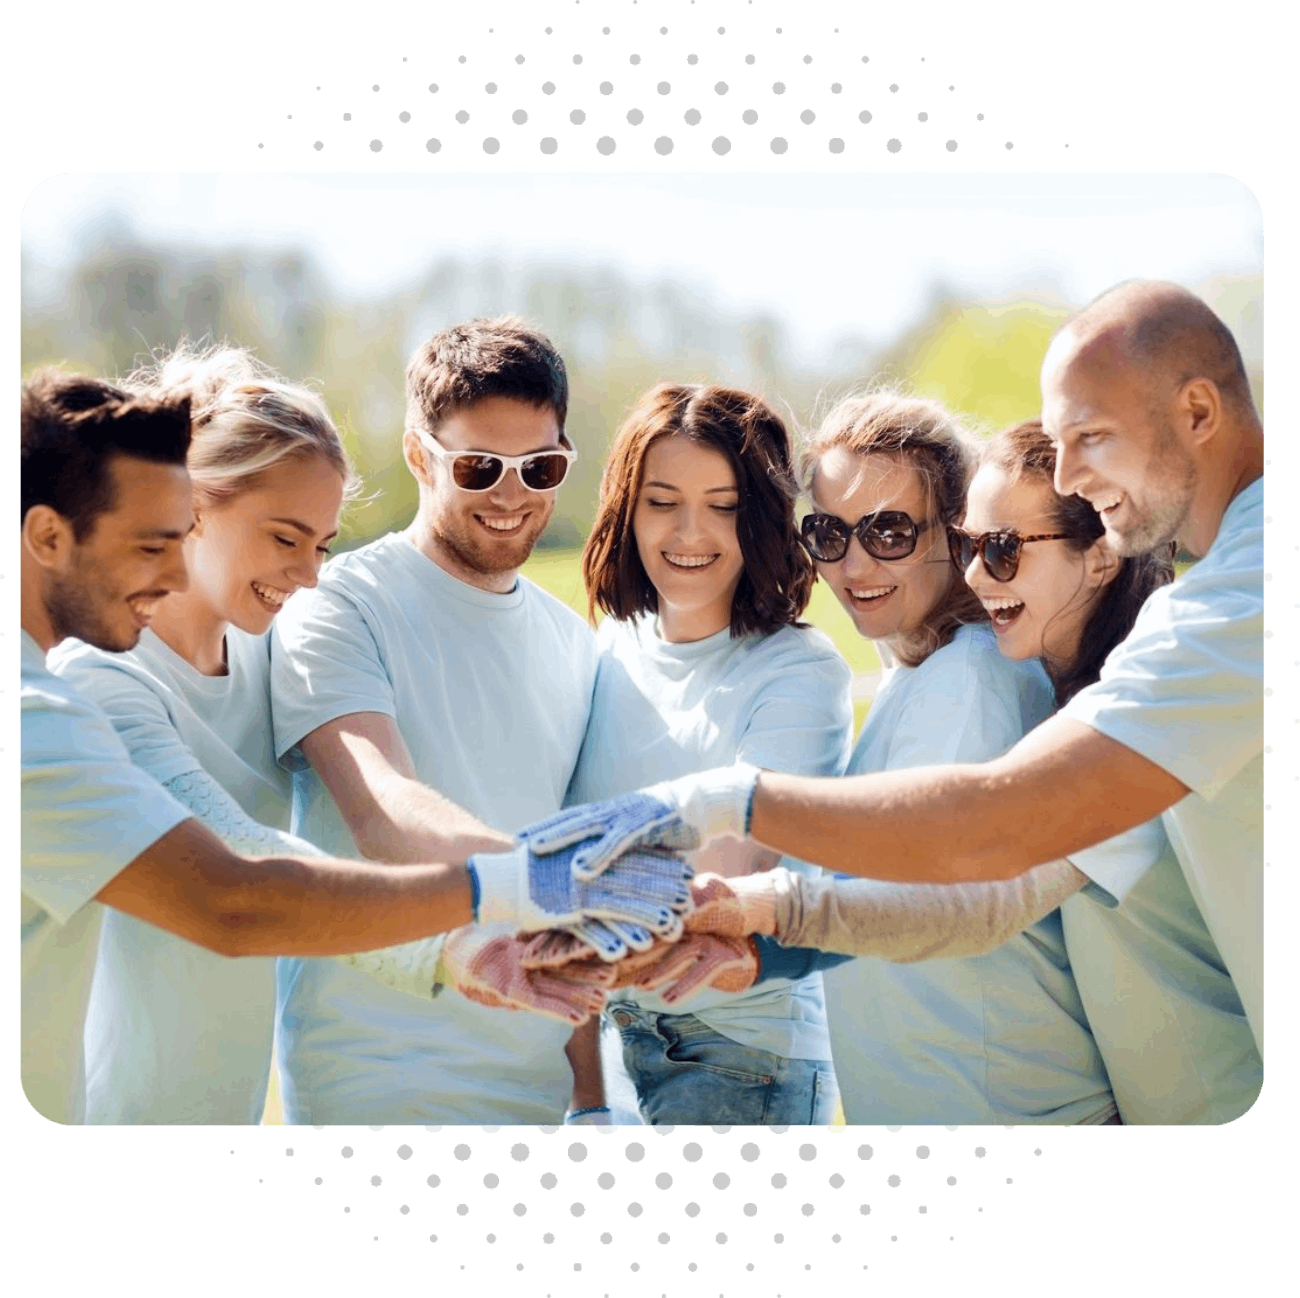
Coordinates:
(48, 537)
(1101, 564)
(413, 454)
(1200, 408)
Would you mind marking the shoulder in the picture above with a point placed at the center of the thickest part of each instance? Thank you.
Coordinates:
(59, 720)
(801, 651)
(102, 675)
(554, 613)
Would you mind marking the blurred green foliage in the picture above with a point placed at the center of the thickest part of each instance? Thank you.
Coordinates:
(120, 299)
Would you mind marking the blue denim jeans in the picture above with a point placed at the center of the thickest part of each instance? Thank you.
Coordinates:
(686, 1073)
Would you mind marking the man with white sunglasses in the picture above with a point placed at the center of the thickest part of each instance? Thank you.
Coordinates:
(431, 702)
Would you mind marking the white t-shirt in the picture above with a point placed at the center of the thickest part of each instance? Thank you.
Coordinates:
(997, 1038)
(662, 710)
(87, 813)
(175, 1033)
(491, 694)
(1185, 690)
(1163, 1010)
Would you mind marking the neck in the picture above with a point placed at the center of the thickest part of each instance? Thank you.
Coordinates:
(1222, 483)
(685, 626)
(192, 629)
(423, 537)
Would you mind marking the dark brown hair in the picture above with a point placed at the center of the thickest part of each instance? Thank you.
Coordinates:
(1025, 451)
(72, 428)
(778, 575)
(468, 363)
(927, 437)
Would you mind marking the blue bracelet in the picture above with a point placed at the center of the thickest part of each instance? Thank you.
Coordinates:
(475, 892)
(582, 1113)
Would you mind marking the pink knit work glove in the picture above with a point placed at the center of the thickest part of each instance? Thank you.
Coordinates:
(484, 962)
(698, 960)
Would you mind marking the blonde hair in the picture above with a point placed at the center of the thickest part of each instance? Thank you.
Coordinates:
(926, 436)
(245, 418)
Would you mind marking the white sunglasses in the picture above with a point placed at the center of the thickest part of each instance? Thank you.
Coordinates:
(483, 470)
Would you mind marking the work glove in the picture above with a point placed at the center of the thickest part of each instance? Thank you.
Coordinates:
(535, 891)
(484, 962)
(679, 815)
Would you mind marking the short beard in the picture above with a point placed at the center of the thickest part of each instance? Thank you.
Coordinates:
(1167, 511)
(74, 611)
(474, 558)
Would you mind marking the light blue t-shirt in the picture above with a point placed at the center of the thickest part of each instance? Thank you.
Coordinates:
(175, 1033)
(1163, 1010)
(661, 710)
(87, 813)
(997, 1038)
(1185, 690)
(491, 694)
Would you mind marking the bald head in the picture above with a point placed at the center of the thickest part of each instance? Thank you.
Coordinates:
(1159, 336)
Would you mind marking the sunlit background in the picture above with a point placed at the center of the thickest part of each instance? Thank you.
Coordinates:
(802, 289)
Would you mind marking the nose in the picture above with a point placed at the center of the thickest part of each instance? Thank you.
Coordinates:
(510, 491)
(305, 571)
(974, 573)
(858, 561)
(177, 576)
(1066, 476)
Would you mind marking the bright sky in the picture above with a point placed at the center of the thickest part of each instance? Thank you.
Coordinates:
(827, 255)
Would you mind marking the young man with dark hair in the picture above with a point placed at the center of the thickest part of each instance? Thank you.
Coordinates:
(432, 701)
(95, 828)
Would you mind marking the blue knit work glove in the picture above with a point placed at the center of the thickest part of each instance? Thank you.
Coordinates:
(537, 892)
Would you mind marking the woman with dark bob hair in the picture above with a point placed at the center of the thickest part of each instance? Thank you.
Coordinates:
(695, 557)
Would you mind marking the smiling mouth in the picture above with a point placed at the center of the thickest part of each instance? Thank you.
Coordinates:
(865, 595)
(502, 524)
(688, 561)
(1105, 504)
(143, 607)
(1003, 612)
(271, 596)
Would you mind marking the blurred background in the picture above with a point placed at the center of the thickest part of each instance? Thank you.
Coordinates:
(802, 289)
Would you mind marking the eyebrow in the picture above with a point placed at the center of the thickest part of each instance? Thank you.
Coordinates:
(163, 534)
(668, 486)
(301, 527)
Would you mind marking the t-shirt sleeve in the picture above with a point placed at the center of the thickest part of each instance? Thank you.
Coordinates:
(1113, 867)
(325, 664)
(1185, 689)
(138, 715)
(802, 719)
(87, 812)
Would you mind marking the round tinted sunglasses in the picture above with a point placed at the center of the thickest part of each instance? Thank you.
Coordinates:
(482, 470)
(886, 534)
(999, 552)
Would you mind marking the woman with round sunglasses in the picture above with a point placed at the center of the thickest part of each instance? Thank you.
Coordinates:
(694, 557)
(995, 1037)
(1162, 1006)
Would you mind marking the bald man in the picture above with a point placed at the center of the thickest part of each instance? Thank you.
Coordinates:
(1147, 401)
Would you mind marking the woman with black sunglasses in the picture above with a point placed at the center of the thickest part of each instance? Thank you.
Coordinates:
(998, 1037)
(1163, 1009)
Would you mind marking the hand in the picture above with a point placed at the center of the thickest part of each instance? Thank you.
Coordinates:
(736, 907)
(485, 964)
(647, 888)
(609, 940)
(680, 968)
(681, 815)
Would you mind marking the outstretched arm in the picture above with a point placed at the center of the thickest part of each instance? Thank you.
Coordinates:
(1064, 787)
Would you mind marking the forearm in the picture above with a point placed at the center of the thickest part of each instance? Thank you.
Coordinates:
(408, 822)
(909, 922)
(1062, 788)
(583, 1051)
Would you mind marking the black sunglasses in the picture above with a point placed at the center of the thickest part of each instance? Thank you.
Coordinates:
(886, 534)
(999, 552)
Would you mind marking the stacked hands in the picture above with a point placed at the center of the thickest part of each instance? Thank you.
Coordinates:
(599, 898)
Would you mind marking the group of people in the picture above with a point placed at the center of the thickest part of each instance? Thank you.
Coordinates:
(1042, 894)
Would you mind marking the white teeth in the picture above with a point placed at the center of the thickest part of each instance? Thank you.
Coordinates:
(1106, 504)
(507, 524)
(689, 560)
(992, 604)
(871, 592)
(1002, 611)
(144, 607)
(270, 594)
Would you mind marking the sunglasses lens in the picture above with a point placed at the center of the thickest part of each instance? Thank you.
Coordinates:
(544, 472)
(825, 537)
(962, 549)
(477, 472)
(891, 536)
(1002, 557)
